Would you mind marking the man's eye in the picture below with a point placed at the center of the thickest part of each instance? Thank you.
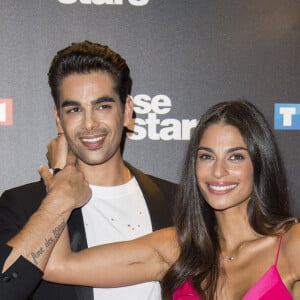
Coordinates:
(73, 110)
(104, 106)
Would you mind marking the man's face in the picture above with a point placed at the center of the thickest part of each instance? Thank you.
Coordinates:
(91, 116)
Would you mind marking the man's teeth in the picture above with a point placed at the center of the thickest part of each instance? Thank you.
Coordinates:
(222, 187)
(93, 140)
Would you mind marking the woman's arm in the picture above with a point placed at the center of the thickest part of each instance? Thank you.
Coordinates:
(112, 265)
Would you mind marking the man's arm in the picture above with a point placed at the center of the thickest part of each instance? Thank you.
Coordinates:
(68, 190)
(27, 252)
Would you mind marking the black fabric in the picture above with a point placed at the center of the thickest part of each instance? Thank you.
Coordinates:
(19, 281)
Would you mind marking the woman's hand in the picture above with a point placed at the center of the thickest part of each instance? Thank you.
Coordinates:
(57, 152)
(69, 184)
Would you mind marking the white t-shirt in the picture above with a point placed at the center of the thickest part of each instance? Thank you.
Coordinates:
(118, 213)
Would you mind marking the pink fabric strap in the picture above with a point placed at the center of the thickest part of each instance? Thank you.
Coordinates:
(278, 250)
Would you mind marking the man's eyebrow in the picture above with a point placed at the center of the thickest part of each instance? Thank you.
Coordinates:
(103, 99)
(68, 102)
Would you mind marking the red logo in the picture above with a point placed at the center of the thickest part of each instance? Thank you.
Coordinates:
(6, 111)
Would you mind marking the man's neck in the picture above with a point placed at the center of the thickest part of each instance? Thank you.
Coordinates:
(110, 173)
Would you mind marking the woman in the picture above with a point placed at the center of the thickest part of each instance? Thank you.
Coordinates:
(234, 234)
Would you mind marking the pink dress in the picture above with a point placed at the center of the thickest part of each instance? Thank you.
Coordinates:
(268, 287)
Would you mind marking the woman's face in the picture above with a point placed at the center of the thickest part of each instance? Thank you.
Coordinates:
(224, 169)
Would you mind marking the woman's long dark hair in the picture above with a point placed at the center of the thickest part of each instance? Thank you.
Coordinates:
(268, 209)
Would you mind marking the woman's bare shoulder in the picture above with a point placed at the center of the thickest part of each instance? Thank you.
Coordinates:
(291, 249)
(168, 232)
(166, 244)
(293, 234)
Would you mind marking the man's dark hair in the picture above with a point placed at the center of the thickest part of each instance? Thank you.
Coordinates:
(86, 57)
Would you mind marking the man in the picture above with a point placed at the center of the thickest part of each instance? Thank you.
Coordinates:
(91, 86)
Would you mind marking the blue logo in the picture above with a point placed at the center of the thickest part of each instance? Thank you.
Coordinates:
(287, 116)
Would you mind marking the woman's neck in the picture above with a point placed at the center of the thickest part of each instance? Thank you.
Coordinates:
(234, 229)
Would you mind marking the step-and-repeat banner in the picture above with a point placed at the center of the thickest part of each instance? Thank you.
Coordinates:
(184, 57)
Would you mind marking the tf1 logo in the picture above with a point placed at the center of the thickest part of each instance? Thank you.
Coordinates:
(6, 111)
(287, 116)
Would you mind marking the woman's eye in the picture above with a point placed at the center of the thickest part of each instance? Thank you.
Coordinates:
(205, 156)
(236, 157)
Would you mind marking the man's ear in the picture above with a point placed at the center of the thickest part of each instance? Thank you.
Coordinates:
(128, 111)
(57, 120)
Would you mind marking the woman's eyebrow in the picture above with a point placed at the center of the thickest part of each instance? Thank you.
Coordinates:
(228, 150)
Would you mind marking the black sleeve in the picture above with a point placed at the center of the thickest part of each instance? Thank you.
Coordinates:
(16, 207)
(18, 282)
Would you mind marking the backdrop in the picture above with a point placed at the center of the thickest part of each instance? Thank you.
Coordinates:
(184, 57)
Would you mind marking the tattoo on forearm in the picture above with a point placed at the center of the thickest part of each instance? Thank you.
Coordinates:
(35, 255)
(56, 231)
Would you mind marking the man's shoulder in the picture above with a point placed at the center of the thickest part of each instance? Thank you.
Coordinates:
(141, 174)
(162, 181)
(33, 190)
(18, 203)
(151, 181)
